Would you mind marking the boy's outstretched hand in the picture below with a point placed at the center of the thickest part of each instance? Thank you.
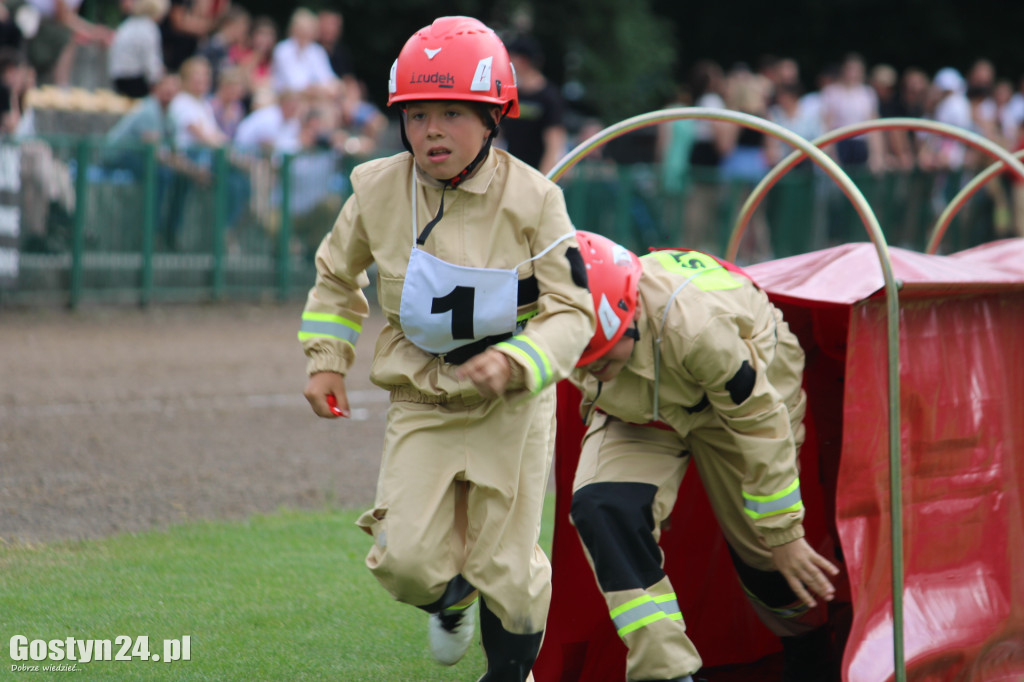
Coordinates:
(489, 371)
(804, 568)
(325, 392)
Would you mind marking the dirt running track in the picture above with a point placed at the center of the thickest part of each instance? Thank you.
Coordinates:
(120, 419)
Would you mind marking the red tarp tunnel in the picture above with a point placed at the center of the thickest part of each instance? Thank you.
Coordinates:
(962, 440)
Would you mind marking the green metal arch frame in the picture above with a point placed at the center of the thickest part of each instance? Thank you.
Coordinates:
(875, 125)
(867, 216)
(961, 199)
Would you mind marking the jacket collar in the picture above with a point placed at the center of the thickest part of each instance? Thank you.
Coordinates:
(477, 183)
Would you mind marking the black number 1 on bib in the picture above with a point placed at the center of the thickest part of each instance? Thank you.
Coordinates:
(460, 302)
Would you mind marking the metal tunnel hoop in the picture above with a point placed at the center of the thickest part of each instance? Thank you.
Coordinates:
(961, 199)
(806, 148)
(897, 123)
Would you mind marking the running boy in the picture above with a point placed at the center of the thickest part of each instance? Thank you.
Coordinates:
(690, 358)
(485, 297)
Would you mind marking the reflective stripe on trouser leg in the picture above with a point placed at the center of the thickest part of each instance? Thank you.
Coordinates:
(615, 524)
(626, 485)
(652, 627)
(644, 610)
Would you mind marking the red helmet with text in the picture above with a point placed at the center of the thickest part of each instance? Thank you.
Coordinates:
(613, 274)
(455, 58)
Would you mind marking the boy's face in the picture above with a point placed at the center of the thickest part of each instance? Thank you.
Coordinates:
(608, 366)
(445, 136)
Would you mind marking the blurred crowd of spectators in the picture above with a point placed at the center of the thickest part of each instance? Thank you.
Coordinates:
(226, 77)
(221, 76)
(851, 92)
(979, 100)
(195, 77)
(204, 75)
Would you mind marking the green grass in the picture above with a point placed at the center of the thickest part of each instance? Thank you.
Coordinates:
(278, 597)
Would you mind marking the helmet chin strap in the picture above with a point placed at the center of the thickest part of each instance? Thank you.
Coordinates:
(451, 182)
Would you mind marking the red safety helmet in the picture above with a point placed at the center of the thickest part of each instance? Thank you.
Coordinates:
(613, 273)
(455, 58)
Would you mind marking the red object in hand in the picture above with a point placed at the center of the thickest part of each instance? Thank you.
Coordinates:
(332, 403)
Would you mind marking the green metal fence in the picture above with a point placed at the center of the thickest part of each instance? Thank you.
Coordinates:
(102, 223)
(95, 223)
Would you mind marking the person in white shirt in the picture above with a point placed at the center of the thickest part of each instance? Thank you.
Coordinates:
(198, 135)
(135, 61)
(274, 128)
(951, 108)
(300, 63)
(196, 123)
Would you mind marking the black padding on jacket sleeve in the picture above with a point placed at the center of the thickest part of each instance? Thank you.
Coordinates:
(742, 384)
(578, 267)
(770, 587)
(615, 522)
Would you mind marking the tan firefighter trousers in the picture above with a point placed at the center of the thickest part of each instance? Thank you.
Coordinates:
(616, 452)
(461, 491)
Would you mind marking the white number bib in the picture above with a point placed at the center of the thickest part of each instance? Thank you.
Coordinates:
(446, 306)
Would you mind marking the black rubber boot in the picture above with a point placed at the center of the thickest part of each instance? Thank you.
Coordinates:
(458, 588)
(810, 657)
(510, 657)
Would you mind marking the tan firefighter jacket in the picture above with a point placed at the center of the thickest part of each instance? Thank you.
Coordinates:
(710, 322)
(501, 217)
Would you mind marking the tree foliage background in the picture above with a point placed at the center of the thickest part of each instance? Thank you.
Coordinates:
(622, 57)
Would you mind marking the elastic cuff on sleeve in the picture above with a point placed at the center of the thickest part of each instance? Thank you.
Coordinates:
(775, 537)
(322, 362)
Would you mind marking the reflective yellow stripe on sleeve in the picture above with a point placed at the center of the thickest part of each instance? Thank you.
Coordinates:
(325, 325)
(534, 356)
(786, 500)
